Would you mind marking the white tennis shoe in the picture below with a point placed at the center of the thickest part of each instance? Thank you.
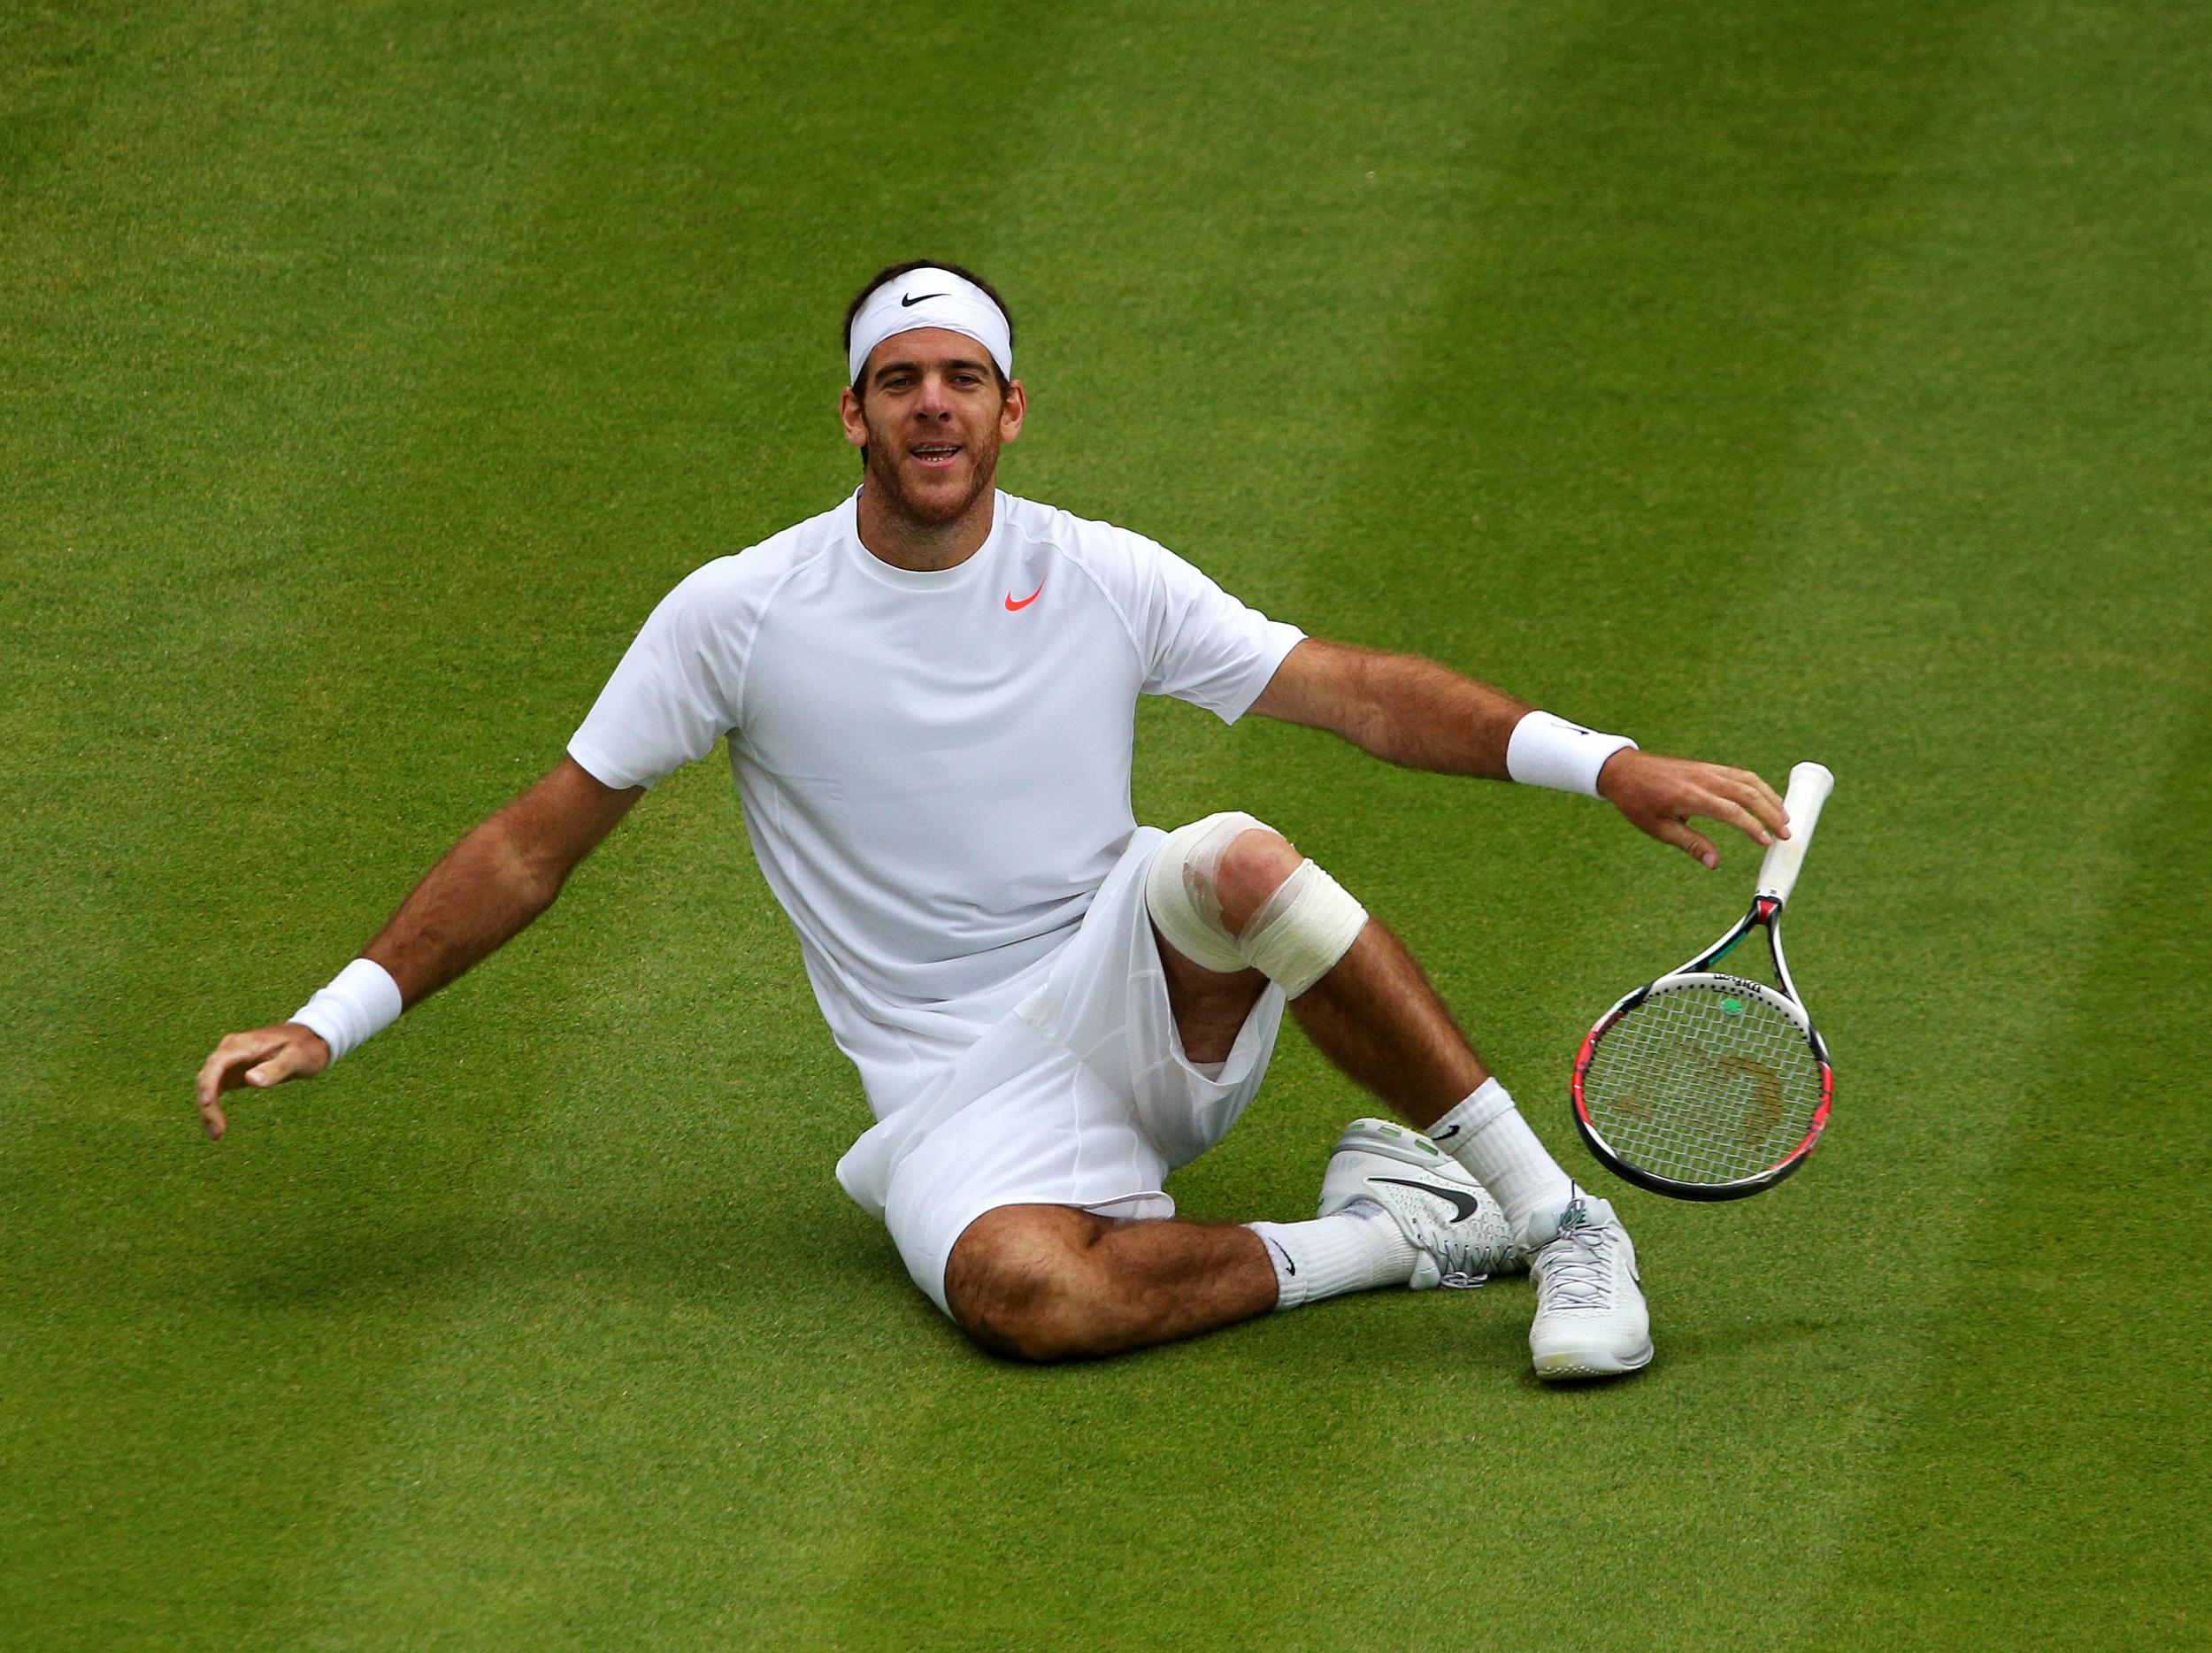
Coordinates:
(1591, 1319)
(1459, 1234)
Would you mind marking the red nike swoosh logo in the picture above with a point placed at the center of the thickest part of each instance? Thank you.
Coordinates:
(1011, 604)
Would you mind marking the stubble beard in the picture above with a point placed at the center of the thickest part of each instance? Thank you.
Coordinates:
(926, 514)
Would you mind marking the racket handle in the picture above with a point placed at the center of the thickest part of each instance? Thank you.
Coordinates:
(1810, 786)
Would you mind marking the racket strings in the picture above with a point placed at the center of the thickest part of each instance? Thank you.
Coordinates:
(1703, 1082)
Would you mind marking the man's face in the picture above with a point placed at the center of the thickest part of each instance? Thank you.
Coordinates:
(932, 419)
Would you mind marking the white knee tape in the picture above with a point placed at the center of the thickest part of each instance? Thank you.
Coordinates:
(1179, 890)
(1302, 929)
(1294, 939)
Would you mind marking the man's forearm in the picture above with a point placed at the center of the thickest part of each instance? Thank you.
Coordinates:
(1414, 713)
(484, 891)
(487, 888)
(1406, 710)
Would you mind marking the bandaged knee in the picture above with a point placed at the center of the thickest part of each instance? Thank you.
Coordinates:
(1301, 930)
(1294, 939)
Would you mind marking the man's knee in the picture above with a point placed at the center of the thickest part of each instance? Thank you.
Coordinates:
(1020, 1282)
(1255, 863)
(1230, 893)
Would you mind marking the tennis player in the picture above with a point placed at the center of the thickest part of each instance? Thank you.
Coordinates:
(928, 693)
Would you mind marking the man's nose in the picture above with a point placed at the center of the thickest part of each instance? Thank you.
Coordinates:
(934, 402)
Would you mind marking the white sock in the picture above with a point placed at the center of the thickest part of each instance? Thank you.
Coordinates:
(1486, 1133)
(1358, 1250)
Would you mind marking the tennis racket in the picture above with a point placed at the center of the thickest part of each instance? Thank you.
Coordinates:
(1704, 1086)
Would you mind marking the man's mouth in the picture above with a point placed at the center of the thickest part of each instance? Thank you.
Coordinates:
(934, 454)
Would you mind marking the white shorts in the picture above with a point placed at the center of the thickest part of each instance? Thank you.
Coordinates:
(1080, 1096)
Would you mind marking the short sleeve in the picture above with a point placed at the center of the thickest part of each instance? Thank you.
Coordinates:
(674, 693)
(1201, 645)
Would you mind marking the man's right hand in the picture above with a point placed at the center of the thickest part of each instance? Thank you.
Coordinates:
(265, 1057)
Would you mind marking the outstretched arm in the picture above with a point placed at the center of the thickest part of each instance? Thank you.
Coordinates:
(485, 890)
(488, 888)
(1417, 714)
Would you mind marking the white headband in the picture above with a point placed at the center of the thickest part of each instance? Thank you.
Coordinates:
(931, 298)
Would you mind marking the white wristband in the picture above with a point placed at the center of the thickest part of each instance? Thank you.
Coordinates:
(1548, 752)
(362, 999)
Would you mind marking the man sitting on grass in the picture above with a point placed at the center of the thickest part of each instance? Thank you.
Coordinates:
(928, 692)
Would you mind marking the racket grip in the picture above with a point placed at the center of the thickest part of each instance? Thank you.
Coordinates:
(1810, 786)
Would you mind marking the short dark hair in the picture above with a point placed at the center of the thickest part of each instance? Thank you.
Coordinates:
(892, 272)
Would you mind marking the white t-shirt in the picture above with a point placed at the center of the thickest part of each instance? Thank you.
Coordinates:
(934, 767)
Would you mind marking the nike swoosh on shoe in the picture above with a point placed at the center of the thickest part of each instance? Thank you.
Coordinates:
(1463, 1205)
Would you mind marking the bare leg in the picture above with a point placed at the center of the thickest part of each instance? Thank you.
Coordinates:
(1377, 1019)
(1052, 1282)
(1209, 1008)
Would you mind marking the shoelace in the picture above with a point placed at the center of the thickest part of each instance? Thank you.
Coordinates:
(1579, 1278)
(1464, 1260)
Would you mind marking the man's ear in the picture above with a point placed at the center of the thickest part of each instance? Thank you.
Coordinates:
(1013, 411)
(856, 423)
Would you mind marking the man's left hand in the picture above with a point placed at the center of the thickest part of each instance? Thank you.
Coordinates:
(1660, 795)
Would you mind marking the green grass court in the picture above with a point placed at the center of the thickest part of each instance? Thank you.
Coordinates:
(1829, 380)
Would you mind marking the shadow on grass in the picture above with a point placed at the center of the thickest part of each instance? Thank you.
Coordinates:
(826, 1259)
(708, 1250)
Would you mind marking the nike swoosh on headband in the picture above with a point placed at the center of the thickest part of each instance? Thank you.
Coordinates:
(931, 298)
(1463, 1205)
